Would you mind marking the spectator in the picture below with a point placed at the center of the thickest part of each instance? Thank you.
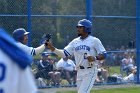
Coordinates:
(46, 69)
(127, 63)
(68, 70)
(110, 60)
(103, 74)
(131, 77)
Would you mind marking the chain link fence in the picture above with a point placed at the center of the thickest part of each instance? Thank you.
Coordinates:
(113, 21)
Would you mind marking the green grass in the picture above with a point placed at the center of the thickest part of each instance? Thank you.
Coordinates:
(118, 90)
(67, 92)
(114, 69)
(114, 90)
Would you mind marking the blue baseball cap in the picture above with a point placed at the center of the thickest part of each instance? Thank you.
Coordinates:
(18, 33)
(45, 54)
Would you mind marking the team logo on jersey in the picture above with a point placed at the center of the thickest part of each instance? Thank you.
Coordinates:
(82, 47)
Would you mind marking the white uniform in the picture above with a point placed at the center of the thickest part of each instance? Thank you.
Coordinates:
(15, 73)
(80, 48)
(30, 50)
(27, 49)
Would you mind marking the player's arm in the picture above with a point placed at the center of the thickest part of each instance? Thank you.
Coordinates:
(39, 49)
(99, 57)
(100, 51)
(45, 38)
(55, 50)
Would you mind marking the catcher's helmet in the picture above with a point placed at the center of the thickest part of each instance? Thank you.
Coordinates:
(85, 23)
(19, 33)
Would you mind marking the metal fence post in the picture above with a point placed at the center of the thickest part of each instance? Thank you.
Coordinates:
(89, 9)
(29, 22)
(138, 38)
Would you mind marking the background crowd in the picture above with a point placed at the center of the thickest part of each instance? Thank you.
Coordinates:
(51, 70)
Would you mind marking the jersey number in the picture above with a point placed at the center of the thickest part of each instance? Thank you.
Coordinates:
(2, 71)
(2, 74)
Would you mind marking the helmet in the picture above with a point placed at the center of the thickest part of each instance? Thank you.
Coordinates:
(85, 23)
(45, 54)
(19, 33)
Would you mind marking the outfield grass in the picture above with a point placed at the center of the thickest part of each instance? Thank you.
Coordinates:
(115, 90)
(118, 90)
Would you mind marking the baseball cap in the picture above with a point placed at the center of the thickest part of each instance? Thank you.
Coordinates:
(19, 33)
(45, 54)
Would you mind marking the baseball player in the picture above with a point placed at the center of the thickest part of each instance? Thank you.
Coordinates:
(21, 36)
(88, 51)
(15, 73)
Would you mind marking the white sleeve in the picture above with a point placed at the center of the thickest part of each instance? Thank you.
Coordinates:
(98, 46)
(39, 49)
(27, 49)
(68, 50)
(59, 52)
(30, 50)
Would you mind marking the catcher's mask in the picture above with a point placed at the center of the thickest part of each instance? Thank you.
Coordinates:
(19, 33)
(86, 24)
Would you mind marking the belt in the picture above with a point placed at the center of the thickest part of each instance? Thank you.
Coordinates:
(82, 67)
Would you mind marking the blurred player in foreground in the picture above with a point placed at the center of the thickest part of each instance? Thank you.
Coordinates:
(21, 36)
(15, 73)
(88, 51)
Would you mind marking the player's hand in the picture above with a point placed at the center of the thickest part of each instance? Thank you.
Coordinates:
(91, 58)
(50, 46)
